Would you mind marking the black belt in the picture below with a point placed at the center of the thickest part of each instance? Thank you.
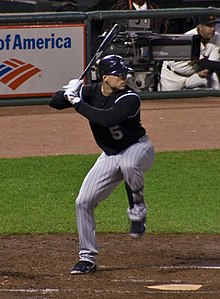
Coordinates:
(169, 68)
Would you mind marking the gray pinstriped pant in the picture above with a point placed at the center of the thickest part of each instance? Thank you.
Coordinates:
(105, 175)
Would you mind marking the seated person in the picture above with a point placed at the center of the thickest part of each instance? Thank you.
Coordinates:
(68, 6)
(155, 25)
(178, 75)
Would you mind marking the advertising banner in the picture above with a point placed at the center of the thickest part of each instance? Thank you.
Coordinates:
(38, 60)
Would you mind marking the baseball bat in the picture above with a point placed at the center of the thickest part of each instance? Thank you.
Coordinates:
(102, 48)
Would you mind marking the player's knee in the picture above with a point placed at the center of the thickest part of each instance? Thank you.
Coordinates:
(84, 203)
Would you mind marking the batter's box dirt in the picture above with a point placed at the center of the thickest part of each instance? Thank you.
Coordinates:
(38, 266)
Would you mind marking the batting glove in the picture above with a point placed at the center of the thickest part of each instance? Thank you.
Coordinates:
(72, 98)
(74, 85)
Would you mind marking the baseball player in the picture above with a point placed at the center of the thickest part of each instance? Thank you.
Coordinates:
(178, 75)
(113, 112)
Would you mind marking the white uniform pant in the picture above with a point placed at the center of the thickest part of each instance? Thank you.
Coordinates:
(99, 183)
(171, 81)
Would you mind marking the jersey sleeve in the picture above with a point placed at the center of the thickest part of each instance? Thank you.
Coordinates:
(125, 107)
(215, 45)
(214, 55)
(59, 101)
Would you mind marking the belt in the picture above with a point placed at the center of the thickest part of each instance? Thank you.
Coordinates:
(143, 138)
(169, 68)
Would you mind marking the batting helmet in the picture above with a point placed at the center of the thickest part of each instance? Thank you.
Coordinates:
(113, 65)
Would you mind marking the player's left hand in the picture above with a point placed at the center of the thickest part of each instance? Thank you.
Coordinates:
(72, 98)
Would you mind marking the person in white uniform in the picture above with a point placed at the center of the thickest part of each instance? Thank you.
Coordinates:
(178, 75)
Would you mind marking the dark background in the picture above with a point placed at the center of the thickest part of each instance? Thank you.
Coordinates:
(176, 26)
(88, 5)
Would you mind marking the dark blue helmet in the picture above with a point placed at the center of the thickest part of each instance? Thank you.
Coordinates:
(113, 65)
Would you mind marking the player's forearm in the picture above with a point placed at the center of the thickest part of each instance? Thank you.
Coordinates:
(209, 64)
(59, 101)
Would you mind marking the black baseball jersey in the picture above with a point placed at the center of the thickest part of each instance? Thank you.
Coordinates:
(114, 120)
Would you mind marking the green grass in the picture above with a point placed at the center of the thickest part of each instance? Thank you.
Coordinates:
(185, 193)
(182, 191)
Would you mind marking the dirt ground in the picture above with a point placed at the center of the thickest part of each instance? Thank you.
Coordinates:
(37, 266)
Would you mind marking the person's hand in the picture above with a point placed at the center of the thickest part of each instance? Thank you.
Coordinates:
(72, 98)
(203, 73)
(72, 89)
(74, 85)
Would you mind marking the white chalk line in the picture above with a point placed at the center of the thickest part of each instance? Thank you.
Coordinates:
(165, 267)
(56, 290)
(50, 291)
(191, 267)
(31, 290)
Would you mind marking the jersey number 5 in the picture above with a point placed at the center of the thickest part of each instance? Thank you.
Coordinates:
(116, 133)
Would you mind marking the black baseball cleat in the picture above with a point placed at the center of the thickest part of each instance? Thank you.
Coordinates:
(83, 267)
(137, 228)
